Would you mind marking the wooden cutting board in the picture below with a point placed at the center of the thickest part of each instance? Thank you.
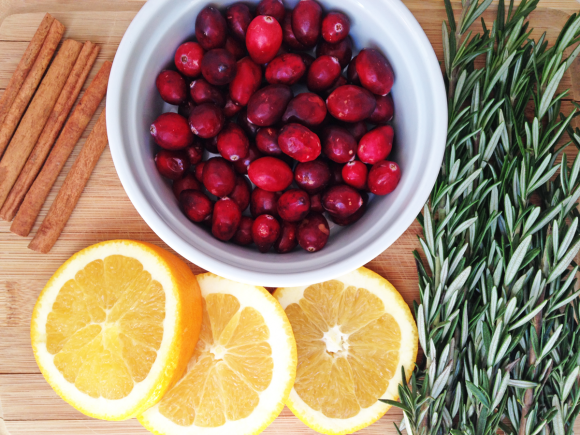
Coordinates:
(28, 406)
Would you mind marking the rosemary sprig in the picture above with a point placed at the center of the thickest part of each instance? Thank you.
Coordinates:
(498, 308)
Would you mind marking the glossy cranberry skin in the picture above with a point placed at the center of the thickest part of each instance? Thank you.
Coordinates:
(246, 82)
(241, 166)
(172, 164)
(238, 18)
(243, 235)
(219, 177)
(299, 142)
(335, 173)
(195, 205)
(307, 22)
(340, 81)
(195, 152)
(335, 27)
(267, 105)
(384, 177)
(341, 200)
(341, 50)
(203, 92)
(376, 145)
(186, 108)
(288, 34)
(265, 232)
(236, 48)
(355, 174)
(313, 177)
(210, 28)
(316, 203)
(225, 219)
(306, 108)
(287, 240)
(188, 59)
(241, 193)
(294, 205)
(357, 129)
(313, 232)
(250, 128)
(274, 8)
(338, 144)
(322, 74)
(351, 74)
(199, 171)
(267, 141)
(172, 87)
(231, 109)
(186, 183)
(384, 111)
(270, 173)
(206, 120)
(170, 131)
(351, 103)
(374, 71)
(232, 142)
(264, 202)
(218, 66)
(353, 217)
(286, 69)
(263, 39)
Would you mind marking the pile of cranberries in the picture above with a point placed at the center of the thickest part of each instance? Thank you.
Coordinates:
(306, 153)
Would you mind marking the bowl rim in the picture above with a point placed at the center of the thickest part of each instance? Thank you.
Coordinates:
(432, 73)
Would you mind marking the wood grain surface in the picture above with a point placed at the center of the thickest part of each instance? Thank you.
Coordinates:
(28, 406)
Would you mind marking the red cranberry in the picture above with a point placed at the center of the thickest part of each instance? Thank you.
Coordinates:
(270, 173)
(306, 22)
(206, 120)
(236, 48)
(246, 82)
(199, 171)
(225, 219)
(250, 128)
(210, 145)
(340, 81)
(267, 106)
(267, 141)
(286, 69)
(384, 111)
(384, 177)
(186, 108)
(288, 34)
(218, 66)
(264, 202)
(263, 39)
(265, 232)
(170, 131)
(202, 92)
(241, 192)
(313, 232)
(351, 73)
(351, 103)
(172, 164)
(288, 238)
(210, 28)
(219, 177)
(316, 203)
(357, 129)
(335, 27)
(376, 145)
(294, 205)
(305, 108)
(323, 72)
(231, 108)
(195, 205)
(238, 18)
(243, 235)
(307, 59)
(188, 59)
(299, 142)
(241, 166)
(172, 87)
(355, 174)
(194, 152)
(335, 173)
(353, 217)
(338, 144)
(341, 200)
(232, 142)
(274, 8)
(186, 183)
(374, 71)
(341, 50)
(313, 176)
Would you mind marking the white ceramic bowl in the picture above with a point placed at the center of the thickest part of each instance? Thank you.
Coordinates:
(420, 128)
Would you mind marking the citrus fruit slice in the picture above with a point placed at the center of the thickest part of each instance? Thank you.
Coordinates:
(353, 334)
(115, 327)
(241, 371)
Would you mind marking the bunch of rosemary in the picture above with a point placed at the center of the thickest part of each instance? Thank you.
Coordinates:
(498, 311)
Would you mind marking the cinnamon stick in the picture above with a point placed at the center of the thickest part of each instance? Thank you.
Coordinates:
(24, 66)
(52, 128)
(30, 84)
(66, 142)
(71, 190)
(36, 115)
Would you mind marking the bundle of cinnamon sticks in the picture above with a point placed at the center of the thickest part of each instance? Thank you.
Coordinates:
(35, 141)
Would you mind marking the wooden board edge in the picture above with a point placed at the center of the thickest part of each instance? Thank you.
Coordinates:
(3, 430)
